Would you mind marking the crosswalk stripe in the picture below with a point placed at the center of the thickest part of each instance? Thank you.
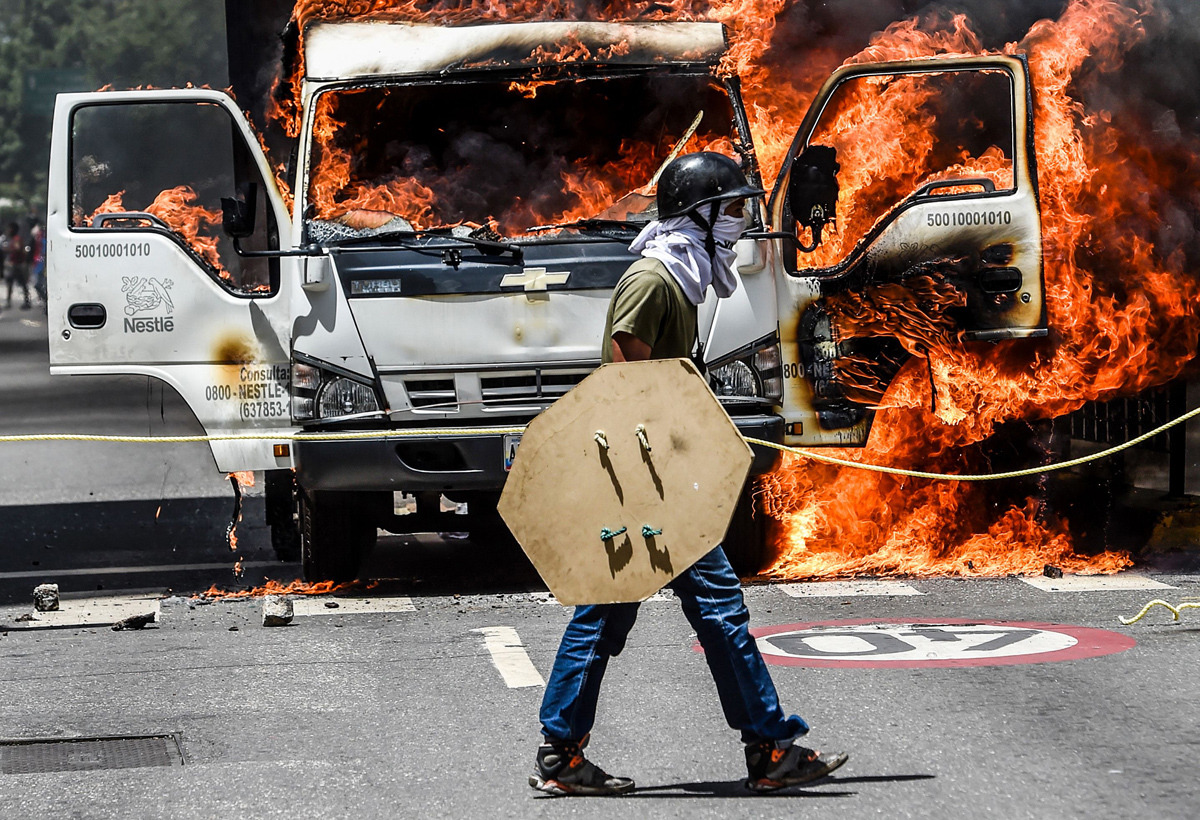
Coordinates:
(509, 657)
(304, 607)
(93, 612)
(845, 589)
(1094, 583)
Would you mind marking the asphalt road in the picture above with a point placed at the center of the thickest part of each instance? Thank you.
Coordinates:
(405, 711)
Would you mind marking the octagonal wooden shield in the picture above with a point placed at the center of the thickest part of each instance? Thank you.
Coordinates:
(624, 482)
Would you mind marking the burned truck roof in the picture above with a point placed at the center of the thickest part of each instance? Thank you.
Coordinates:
(340, 51)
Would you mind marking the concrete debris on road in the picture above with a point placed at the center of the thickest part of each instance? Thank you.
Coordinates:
(1051, 571)
(277, 611)
(45, 597)
(134, 622)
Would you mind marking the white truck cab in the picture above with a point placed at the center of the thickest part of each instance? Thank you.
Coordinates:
(440, 251)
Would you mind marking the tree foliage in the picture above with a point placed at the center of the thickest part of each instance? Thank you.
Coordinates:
(107, 43)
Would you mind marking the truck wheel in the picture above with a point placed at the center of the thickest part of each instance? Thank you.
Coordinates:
(745, 542)
(281, 514)
(336, 531)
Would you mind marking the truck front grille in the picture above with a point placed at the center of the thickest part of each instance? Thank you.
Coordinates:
(427, 393)
(522, 386)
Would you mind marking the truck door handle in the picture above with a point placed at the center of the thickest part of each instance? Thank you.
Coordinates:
(87, 316)
(994, 281)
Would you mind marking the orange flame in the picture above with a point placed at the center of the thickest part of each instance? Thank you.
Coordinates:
(243, 477)
(199, 226)
(837, 522)
(296, 587)
(336, 193)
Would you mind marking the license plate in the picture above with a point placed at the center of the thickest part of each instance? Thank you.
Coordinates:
(510, 450)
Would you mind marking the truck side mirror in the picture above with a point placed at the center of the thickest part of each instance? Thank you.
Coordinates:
(813, 190)
(237, 215)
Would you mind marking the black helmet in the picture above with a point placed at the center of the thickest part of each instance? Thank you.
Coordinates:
(696, 179)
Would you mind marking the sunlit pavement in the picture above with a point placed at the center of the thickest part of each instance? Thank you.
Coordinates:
(1006, 698)
(406, 711)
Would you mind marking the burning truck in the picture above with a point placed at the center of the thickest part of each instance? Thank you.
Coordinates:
(431, 267)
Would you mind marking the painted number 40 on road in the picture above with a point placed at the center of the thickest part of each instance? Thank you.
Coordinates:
(943, 643)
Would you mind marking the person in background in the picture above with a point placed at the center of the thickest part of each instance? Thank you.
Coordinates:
(16, 264)
(37, 259)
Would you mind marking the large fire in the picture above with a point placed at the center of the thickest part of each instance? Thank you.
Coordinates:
(379, 155)
(1104, 341)
(1120, 309)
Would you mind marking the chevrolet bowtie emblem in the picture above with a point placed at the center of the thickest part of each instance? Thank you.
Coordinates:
(535, 279)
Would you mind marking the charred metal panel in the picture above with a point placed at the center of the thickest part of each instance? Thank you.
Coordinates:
(353, 50)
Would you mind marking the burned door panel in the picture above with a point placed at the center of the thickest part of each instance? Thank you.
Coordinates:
(911, 193)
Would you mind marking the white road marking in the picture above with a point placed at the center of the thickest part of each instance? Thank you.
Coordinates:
(93, 612)
(302, 607)
(51, 574)
(509, 657)
(1094, 583)
(845, 589)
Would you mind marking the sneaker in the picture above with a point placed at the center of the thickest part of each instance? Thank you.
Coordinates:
(774, 767)
(561, 769)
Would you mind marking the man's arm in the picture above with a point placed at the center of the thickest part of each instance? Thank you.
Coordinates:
(628, 348)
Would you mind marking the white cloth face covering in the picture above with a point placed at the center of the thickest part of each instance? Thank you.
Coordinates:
(678, 243)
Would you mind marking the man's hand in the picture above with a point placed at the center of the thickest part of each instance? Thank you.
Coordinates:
(629, 348)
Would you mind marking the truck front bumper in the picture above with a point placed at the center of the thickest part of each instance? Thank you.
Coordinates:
(409, 463)
(766, 427)
(451, 462)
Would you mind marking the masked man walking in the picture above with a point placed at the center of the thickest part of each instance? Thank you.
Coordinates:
(652, 315)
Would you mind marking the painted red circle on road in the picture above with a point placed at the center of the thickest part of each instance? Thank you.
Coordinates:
(906, 643)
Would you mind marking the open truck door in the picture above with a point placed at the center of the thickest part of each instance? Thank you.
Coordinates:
(142, 270)
(909, 206)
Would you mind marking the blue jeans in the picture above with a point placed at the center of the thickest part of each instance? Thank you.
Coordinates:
(711, 595)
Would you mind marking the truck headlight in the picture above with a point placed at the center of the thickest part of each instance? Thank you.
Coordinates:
(305, 376)
(766, 362)
(752, 373)
(318, 394)
(734, 379)
(343, 397)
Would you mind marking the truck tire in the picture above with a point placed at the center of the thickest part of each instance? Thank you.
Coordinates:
(745, 542)
(282, 517)
(336, 532)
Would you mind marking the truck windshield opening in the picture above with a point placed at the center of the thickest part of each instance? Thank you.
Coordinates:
(504, 155)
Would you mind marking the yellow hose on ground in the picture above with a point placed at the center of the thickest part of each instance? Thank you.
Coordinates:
(1175, 610)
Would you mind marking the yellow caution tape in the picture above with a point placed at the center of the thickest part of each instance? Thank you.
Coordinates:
(1175, 610)
(383, 434)
(496, 431)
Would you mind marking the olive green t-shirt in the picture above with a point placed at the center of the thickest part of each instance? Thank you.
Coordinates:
(649, 304)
